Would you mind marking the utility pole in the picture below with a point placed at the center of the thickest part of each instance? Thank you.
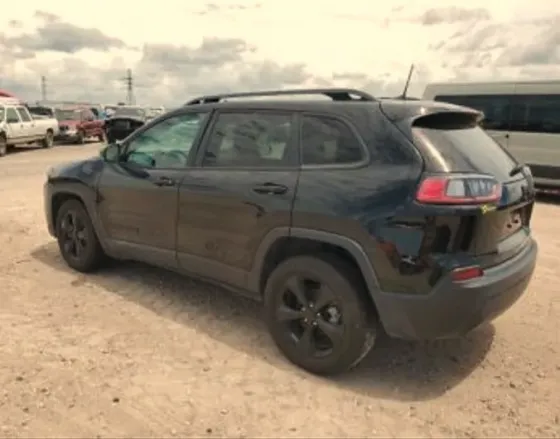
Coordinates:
(43, 88)
(129, 81)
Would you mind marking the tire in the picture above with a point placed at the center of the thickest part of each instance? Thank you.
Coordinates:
(3, 145)
(81, 139)
(355, 331)
(90, 255)
(48, 141)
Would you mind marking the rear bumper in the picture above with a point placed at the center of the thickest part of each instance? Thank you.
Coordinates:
(454, 309)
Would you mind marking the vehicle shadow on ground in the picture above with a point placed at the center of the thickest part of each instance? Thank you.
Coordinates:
(23, 148)
(394, 369)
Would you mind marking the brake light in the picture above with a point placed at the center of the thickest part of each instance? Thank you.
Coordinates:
(466, 273)
(459, 190)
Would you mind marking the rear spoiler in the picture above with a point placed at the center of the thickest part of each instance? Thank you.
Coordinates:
(448, 120)
(416, 112)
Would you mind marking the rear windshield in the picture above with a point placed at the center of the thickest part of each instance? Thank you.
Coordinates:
(41, 111)
(467, 149)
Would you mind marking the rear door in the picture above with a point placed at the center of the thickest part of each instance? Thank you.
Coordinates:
(243, 188)
(28, 126)
(87, 122)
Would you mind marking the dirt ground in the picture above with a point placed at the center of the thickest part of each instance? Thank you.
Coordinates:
(139, 352)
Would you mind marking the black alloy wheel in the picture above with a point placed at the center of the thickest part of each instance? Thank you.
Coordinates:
(81, 139)
(311, 316)
(317, 315)
(77, 240)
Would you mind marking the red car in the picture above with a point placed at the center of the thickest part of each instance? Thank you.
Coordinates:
(78, 124)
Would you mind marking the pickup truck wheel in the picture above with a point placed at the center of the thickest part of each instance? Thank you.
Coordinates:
(48, 141)
(318, 314)
(77, 240)
(3, 146)
(81, 137)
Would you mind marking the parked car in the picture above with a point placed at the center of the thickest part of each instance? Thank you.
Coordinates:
(340, 216)
(18, 127)
(123, 121)
(79, 124)
(153, 112)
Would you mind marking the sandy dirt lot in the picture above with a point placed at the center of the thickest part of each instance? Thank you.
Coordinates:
(139, 352)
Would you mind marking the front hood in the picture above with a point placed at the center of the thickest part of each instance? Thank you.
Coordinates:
(76, 169)
(69, 123)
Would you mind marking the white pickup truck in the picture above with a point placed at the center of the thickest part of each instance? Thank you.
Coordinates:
(19, 127)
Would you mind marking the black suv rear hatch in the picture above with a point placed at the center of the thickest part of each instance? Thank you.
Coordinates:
(451, 143)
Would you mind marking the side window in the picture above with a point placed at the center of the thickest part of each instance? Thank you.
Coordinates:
(537, 113)
(12, 115)
(167, 144)
(259, 139)
(23, 114)
(327, 141)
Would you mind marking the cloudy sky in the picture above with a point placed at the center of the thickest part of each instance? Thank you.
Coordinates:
(178, 49)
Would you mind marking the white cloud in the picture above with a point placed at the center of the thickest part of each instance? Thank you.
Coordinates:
(307, 40)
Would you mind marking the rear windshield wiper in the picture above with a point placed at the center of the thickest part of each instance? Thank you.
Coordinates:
(516, 170)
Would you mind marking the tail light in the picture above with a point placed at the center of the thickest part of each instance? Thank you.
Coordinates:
(466, 273)
(459, 189)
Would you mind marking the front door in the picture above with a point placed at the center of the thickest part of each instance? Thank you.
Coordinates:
(138, 195)
(243, 188)
(15, 126)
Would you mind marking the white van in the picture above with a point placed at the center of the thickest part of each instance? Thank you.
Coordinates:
(523, 116)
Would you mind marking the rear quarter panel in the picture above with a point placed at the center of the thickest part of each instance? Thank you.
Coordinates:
(360, 202)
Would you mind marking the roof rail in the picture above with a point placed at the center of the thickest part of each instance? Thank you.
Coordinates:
(336, 94)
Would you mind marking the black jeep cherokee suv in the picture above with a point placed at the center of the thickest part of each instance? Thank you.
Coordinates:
(342, 215)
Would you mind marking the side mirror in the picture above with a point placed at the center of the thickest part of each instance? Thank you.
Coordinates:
(112, 152)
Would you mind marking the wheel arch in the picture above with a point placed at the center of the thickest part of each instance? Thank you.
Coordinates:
(67, 190)
(284, 242)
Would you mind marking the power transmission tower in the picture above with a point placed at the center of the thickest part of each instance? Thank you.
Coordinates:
(43, 88)
(129, 81)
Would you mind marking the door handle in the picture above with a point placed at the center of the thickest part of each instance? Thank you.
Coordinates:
(164, 181)
(270, 189)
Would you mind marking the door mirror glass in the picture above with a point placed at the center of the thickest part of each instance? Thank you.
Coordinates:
(112, 152)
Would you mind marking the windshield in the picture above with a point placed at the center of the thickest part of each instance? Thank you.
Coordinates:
(67, 114)
(130, 111)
